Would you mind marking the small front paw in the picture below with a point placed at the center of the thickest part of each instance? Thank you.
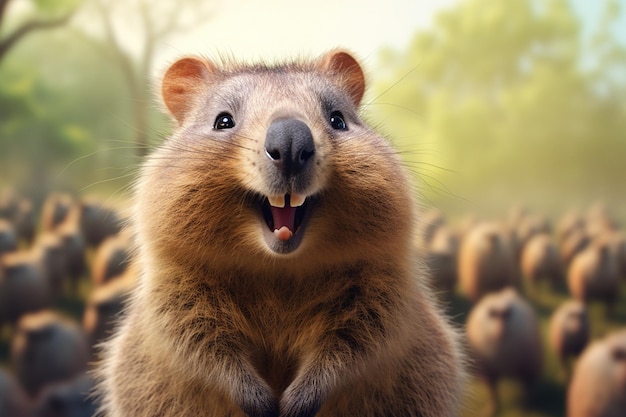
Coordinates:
(260, 403)
(300, 403)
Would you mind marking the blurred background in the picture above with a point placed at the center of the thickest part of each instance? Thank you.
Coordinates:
(499, 108)
(492, 103)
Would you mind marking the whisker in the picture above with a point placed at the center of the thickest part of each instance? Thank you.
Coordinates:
(397, 106)
(104, 181)
(392, 86)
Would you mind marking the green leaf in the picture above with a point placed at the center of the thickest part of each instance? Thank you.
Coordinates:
(56, 6)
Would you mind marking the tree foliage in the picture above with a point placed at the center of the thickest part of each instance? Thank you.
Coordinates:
(497, 100)
(76, 106)
(47, 14)
(152, 24)
(512, 100)
(60, 103)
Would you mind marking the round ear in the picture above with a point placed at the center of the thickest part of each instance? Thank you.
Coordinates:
(181, 84)
(350, 74)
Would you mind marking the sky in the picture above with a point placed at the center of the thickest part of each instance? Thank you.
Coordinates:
(274, 29)
(591, 11)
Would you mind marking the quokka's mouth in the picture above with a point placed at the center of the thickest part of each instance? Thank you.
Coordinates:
(285, 219)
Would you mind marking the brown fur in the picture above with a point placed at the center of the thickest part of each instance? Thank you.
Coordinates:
(24, 287)
(8, 237)
(13, 400)
(97, 221)
(598, 386)
(571, 245)
(593, 275)
(68, 399)
(47, 348)
(49, 249)
(429, 223)
(8, 203)
(486, 261)
(600, 220)
(530, 226)
(74, 250)
(111, 258)
(505, 340)
(540, 261)
(617, 242)
(55, 209)
(223, 325)
(441, 260)
(569, 331)
(19, 212)
(24, 220)
(570, 223)
(104, 307)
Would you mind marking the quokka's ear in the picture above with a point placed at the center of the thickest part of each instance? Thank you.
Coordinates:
(181, 84)
(348, 71)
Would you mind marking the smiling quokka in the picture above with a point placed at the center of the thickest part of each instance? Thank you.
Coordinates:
(274, 232)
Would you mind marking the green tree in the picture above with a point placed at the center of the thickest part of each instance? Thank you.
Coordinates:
(501, 96)
(62, 115)
(152, 23)
(48, 14)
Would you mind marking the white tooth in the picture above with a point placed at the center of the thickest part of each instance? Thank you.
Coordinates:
(296, 200)
(277, 201)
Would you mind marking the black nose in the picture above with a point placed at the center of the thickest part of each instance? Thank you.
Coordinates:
(289, 145)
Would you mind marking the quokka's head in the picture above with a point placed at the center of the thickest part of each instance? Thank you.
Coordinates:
(271, 164)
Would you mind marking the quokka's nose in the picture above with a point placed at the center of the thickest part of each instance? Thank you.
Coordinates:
(289, 145)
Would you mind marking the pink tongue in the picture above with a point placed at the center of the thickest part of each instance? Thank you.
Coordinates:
(284, 221)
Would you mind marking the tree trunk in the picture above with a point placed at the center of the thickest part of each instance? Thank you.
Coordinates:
(11, 40)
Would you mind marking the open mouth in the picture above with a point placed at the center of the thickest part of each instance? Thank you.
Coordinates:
(285, 217)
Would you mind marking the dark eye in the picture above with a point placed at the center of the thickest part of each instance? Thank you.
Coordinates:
(337, 122)
(224, 121)
(619, 353)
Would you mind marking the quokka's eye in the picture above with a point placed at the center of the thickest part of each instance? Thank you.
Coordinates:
(224, 121)
(337, 121)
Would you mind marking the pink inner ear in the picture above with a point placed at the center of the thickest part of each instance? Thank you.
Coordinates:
(189, 68)
(353, 78)
(180, 85)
